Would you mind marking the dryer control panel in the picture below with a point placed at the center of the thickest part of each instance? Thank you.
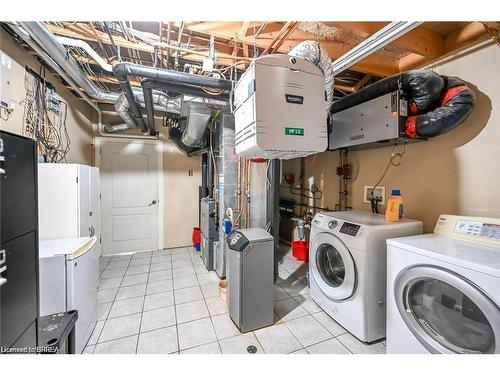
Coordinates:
(471, 228)
(350, 229)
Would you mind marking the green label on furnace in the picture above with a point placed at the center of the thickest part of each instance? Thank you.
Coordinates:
(294, 131)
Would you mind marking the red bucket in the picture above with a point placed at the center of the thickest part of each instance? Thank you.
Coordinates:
(196, 236)
(300, 250)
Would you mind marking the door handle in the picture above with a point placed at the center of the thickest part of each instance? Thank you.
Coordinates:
(153, 202)
(3, 280)
(91, 231)
(2, 256)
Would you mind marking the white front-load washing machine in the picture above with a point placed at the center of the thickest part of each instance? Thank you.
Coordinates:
(443, 289)
(347, 268)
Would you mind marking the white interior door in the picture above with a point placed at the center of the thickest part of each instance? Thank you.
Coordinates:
(129, 196)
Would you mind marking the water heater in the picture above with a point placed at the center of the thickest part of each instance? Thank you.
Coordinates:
(280, 109)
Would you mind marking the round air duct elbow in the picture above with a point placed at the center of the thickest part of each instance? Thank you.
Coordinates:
(313, 52)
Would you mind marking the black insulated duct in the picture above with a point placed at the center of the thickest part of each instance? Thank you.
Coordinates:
(423, 87)
(437, 103)
(456, 103)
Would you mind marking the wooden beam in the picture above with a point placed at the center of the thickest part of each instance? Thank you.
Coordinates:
(222, 58)
(270, 27)
(362, 81)
(467, 34)
(343, 88)
(287, 34)
(376, 64)
(277, 36)
(419, 40)
(244, 28)
(470, 34)
(99, 42)
(245, 50)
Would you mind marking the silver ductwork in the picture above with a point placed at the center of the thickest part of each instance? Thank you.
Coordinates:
(39, 37)
(121, 107)
(192, 136)
(313, 52)
(196, 126)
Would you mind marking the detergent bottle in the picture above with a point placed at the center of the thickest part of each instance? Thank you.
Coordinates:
(394, 210)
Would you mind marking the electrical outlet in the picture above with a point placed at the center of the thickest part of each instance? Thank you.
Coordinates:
(378, 192)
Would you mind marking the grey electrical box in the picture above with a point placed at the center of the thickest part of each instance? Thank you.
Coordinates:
(208, 227)
(250, 278)
(374, 123)
(5, 80)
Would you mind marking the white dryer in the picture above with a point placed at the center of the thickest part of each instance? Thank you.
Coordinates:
(347, 268)
(443, 288)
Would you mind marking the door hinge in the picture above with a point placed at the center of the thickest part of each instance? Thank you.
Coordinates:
(77, 180)
(100, 239)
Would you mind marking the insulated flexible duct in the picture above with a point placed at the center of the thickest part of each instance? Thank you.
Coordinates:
(456, 103)
(437, 103)
(311, 51)
(423, 87)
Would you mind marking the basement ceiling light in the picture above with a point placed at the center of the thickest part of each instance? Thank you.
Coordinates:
(372, 44)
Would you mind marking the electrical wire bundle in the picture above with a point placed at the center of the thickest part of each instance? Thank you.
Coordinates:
(44, 117)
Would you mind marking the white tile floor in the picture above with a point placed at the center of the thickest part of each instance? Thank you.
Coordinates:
(167, 302)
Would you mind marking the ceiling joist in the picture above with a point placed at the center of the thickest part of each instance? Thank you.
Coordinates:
(234, 41)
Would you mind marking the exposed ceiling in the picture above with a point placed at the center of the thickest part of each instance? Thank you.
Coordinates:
(173, 44)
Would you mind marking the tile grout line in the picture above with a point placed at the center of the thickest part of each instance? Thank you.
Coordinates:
(335, 337)
(126, 336)
(175, 306)
(112, 303)
(206, 306)
(98, 337)
(143, 302)
(115, 300)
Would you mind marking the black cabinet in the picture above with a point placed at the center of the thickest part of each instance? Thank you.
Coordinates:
(19, 193)
(19, 293)
(19, 242)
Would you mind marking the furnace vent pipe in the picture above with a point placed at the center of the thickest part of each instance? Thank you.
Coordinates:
(149, 84)
(123, 71)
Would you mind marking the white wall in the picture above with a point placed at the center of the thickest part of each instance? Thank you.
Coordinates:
(455, 173)
(79, 120)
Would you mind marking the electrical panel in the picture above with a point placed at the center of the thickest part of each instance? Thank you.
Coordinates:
(280, 109)
(5, 77)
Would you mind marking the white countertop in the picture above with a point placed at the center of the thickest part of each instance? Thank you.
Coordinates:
(63, 246)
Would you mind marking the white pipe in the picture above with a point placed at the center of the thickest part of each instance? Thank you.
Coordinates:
(372, 44)
(87, 48)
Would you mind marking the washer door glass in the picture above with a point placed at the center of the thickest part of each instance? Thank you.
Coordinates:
(450, 316)
(330, 265)
(446, 312)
